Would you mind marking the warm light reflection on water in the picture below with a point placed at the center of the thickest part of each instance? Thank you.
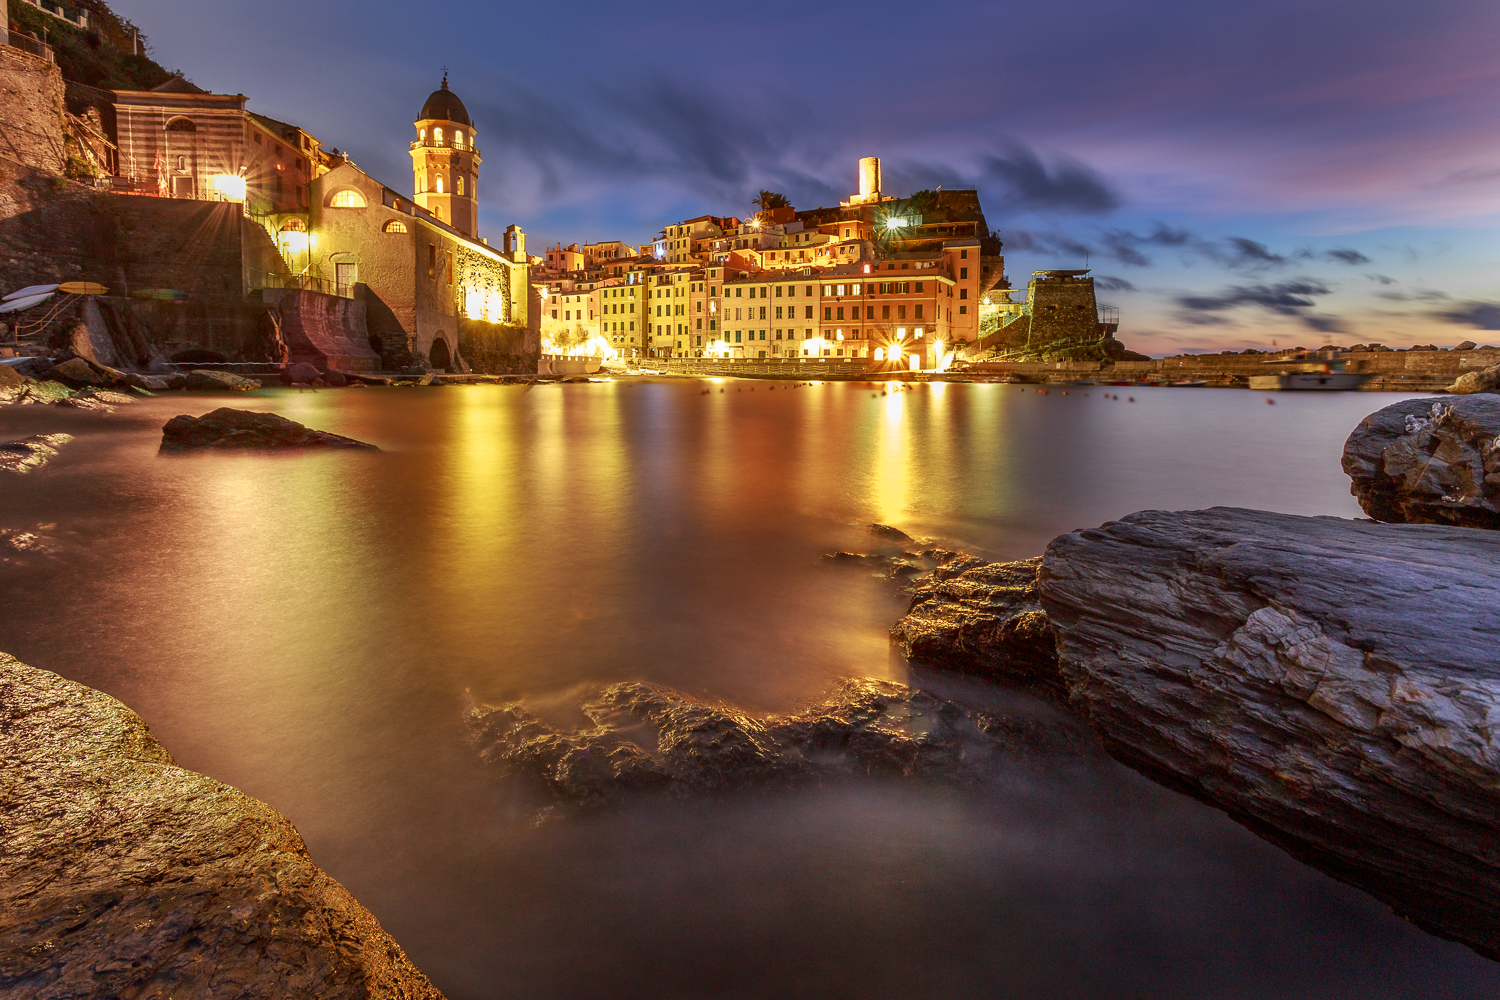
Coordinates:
(306, 627)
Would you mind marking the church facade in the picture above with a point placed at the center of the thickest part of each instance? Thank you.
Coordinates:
(431, 287)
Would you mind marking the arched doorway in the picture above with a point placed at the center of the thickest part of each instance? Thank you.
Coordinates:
(439, 356)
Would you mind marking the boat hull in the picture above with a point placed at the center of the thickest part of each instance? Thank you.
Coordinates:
(1310, 381)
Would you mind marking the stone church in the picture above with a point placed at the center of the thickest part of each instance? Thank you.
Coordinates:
(434, 292)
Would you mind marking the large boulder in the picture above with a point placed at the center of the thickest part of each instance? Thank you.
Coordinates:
(980, 618)
(10, 378)
(230, 428)
(1333, 685)
(124, 875)
(76, 372)
(1485, 380)
(31, 453)
(1429, 461)
(302, 372)
(202, 379)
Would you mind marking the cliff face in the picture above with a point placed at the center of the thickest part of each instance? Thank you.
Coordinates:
(125, 875)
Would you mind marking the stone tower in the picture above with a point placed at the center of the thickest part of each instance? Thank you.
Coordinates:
(446, 161)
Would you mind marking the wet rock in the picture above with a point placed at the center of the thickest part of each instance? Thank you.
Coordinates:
(301, 372)
(336, 379)
(202, 379)
(644, 737)
(983, 619)
(32, 367)
(1467, 345)
(890, 534)
(82, 402)
(108, 396)
(1333, 685)
(76, 372)
(41, 393)
(150, 383)
(1429, 461)
(18, 546)
(175, 380)
(10, 378)
(31, 453)
(1485, 380)
(230, 428)
(889, 567)
(124, 875)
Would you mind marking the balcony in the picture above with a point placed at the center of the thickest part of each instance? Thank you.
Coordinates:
(457, 147)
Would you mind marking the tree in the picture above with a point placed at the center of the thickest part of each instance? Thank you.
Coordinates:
(767, 200)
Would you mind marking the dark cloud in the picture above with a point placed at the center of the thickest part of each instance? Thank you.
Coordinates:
(1287, 298)
(1012, 180)
(1484, 315)
(1248, 253)
(1384, 279)
(1346, 256)
(1109, 283)
(1415, 295)
(1051, 244)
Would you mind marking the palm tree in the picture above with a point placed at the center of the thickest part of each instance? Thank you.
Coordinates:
(767, 200)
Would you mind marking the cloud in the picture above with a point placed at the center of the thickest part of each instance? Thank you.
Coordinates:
(1245, 252)
(1346, 256)
(1384, 279)
(1484, 315)
(1415, 295)
(1287, 298)
(1012, 179)
(1109, 283)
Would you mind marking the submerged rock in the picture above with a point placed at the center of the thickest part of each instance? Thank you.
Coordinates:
(202, 379)
(227, 427)
(31, 453)
(1333, 685)
(124, 875)
(984, 619)
(891, 534)
(1429, 461)
(643, 737)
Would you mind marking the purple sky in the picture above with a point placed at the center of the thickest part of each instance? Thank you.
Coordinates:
(1298, 172)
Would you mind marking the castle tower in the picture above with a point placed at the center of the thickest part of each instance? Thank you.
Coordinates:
(445, 161)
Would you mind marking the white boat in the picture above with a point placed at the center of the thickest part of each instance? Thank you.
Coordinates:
(16, 305)
(29, 291)
(1321, 370)
(1327, 381)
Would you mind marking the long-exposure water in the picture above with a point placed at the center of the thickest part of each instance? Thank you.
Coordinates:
(311, 628)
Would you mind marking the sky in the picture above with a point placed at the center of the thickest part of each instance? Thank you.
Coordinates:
(1236, 175)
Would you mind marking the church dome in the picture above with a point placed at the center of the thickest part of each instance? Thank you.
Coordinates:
(444, 105)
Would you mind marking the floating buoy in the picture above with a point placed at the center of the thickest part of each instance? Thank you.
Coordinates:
(1270, 402)
(1130, 399)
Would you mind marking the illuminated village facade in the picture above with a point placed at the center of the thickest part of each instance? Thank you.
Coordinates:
(869, 280)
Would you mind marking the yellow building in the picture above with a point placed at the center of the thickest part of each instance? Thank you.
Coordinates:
(445, 161)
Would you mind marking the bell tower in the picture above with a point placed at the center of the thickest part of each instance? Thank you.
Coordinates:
(445, 161)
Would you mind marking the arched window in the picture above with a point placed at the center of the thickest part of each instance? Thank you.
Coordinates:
(439, 188)
(395, 226)
(293, 226)
(458, 137)
(181, 124)
(182, 163)
(347, 198)
(437, 136)
(422, 135)
(459, 185)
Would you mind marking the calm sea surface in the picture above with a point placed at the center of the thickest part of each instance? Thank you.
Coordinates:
(309, 628)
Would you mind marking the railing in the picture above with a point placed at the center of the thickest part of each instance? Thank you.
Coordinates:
(35, 46)
(306, 282)
(463, 147)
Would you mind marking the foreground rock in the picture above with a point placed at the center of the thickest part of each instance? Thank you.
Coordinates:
(230, 428)
(1426, 461)
(31, 453)
(1334, 685)
(124, 875)
(983, 619)
(1487, 380)
(643, 737)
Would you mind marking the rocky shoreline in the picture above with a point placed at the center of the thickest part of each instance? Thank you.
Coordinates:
(124, 875)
